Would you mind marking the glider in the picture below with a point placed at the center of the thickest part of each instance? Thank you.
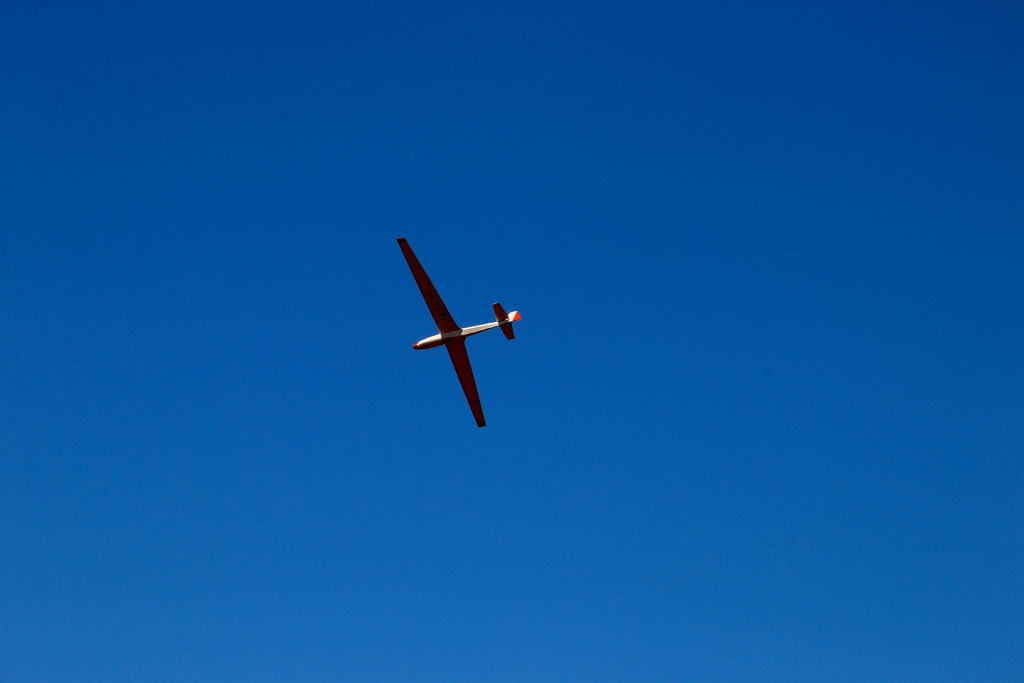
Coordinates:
(450, 335)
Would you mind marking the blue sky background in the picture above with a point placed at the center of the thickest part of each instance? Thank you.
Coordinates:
(763, 419)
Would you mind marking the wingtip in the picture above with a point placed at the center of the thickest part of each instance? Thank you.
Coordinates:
(401, 239)
(481, 424)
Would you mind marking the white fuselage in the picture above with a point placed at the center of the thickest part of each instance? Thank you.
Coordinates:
(439, 339)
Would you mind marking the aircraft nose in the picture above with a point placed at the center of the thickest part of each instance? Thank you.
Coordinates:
(416, 345)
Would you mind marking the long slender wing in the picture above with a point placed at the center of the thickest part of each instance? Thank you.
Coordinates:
(460, 359)
(443, 319)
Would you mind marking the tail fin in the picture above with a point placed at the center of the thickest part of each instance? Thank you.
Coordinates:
(505, 320)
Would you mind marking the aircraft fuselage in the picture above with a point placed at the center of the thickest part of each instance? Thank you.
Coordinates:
(443, 338)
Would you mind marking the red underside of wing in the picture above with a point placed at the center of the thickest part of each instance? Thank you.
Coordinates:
(443, 319)
(460, 359)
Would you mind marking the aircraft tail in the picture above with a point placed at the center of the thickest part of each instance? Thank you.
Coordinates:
(505, 320)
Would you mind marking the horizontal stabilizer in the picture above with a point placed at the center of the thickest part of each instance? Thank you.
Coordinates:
(505, 320)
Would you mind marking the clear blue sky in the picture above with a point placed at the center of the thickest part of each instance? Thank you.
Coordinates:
(763, 419)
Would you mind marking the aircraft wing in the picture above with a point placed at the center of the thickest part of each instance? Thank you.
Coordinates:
(460, 359)
(443, 319)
